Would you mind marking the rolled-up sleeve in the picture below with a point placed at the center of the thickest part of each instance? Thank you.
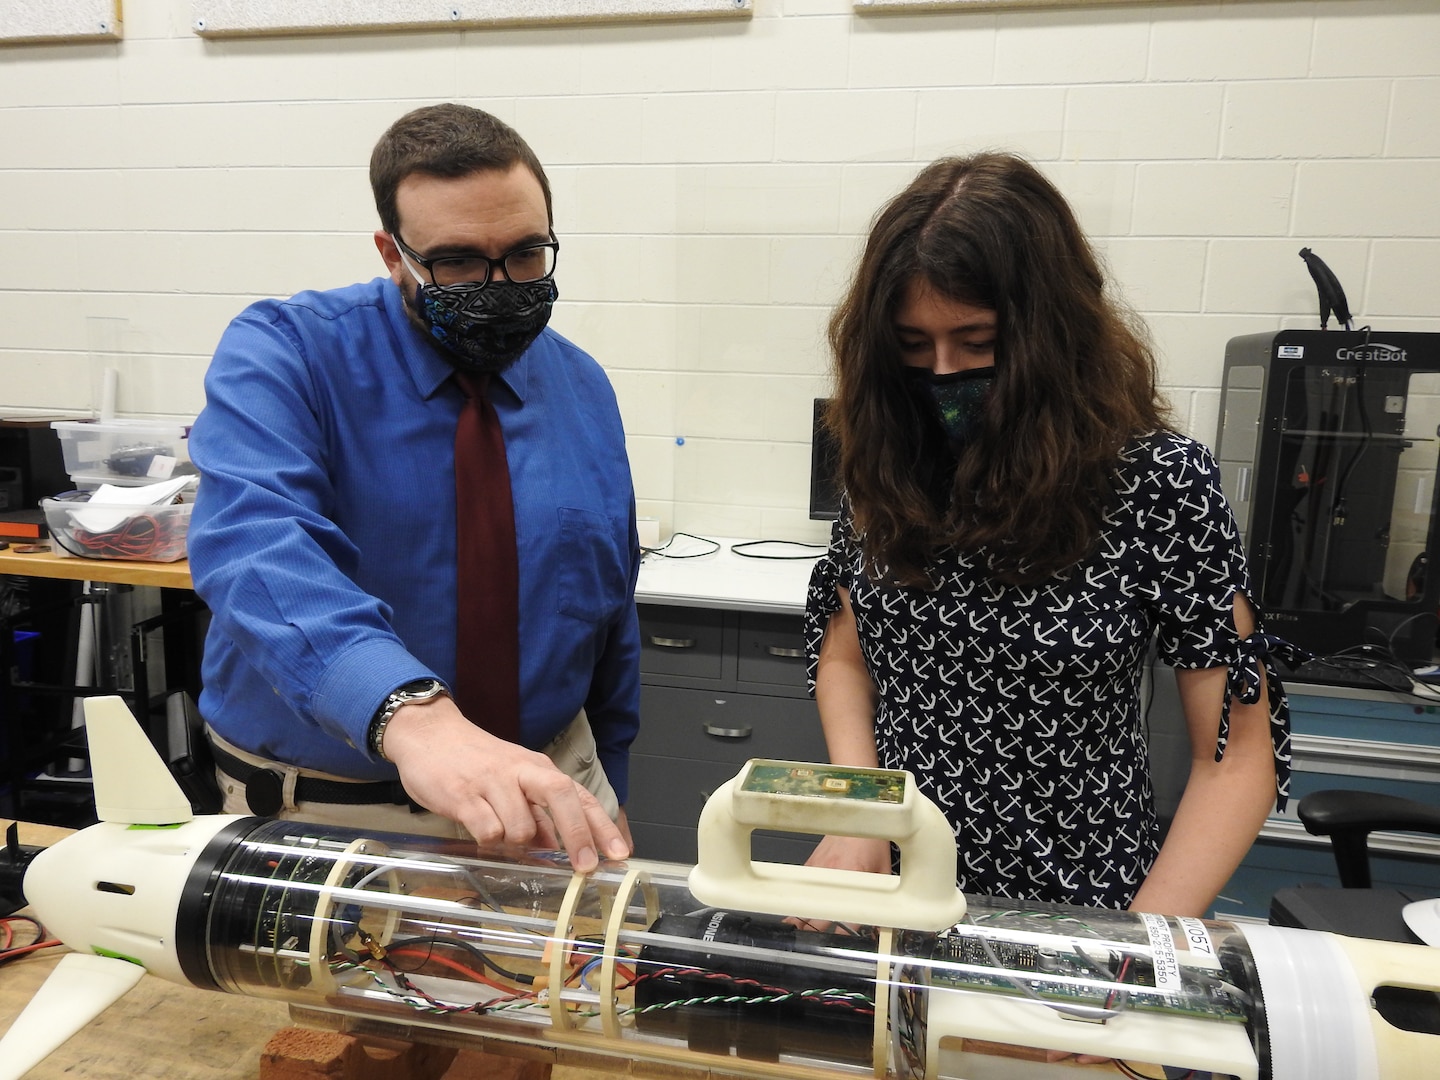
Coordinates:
(1194, 604)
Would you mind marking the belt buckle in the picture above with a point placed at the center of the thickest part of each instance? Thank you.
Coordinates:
(265, 792)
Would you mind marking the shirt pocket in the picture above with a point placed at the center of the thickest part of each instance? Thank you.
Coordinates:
(592, 579)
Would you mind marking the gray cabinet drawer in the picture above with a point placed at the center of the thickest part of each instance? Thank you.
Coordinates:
(781, 847)
(1303, 781)
(729, 728)
(686, 642)
(666, 843)
(772, 649)
(672, 791)
(677, 843)
(718, 687)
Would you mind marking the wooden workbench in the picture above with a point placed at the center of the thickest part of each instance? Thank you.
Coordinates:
(47, 564)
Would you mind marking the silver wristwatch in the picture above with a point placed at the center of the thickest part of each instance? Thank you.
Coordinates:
(419, 690)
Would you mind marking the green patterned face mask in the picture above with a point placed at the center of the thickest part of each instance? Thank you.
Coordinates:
(956, 400)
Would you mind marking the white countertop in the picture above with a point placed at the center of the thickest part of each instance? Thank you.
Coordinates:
(723, 579)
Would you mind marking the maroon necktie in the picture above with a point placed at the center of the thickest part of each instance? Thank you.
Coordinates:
(487, 590)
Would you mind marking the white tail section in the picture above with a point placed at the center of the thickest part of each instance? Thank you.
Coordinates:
(79, 989)
(132, 784)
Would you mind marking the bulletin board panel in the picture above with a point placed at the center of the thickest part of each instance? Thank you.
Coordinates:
(880, 6)
(233, 18)
(27, 22)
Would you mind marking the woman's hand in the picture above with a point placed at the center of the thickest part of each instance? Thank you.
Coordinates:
(845, 853)
(852, 853)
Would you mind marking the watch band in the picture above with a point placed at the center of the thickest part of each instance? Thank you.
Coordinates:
(417, 690)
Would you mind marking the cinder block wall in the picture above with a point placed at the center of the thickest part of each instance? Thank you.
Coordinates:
(712, 182)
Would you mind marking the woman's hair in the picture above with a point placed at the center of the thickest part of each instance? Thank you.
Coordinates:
(1075, 379)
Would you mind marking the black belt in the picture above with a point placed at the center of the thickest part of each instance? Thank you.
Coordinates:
(265, 787)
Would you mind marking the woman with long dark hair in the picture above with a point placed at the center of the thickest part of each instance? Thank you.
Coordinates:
(1020, 523)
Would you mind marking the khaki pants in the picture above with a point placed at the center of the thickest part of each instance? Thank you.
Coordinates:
(573, 752)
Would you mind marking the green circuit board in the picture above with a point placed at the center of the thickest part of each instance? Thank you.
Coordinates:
(1067, 976)
(826, 782)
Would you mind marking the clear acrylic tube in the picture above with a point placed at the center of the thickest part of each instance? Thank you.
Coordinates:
(430, 933)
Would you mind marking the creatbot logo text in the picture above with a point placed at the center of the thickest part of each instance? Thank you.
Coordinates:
(1371, 353)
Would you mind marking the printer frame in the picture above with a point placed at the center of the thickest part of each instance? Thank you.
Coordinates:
(1328, 453)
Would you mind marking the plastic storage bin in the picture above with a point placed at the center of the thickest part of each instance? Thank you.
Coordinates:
(98, 530)
(117, 451)
(85, 482)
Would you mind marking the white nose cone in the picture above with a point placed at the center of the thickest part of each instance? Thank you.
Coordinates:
(115, 889)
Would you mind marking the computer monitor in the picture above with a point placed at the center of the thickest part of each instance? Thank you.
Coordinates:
(824, 467)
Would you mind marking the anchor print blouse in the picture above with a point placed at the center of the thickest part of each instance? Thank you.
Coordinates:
(1018, 708)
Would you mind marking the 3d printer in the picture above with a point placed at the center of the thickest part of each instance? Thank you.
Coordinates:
(1328, 454)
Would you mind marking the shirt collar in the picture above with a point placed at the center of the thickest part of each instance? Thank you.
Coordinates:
(428, 367)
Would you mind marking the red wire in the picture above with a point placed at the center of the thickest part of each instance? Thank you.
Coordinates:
(9, 953)
(447, 962)
(142, 536)
(1120, 978)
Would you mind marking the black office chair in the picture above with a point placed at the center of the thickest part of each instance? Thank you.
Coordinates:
(1356, 908)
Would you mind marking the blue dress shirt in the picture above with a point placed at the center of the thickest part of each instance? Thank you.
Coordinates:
(323, 536)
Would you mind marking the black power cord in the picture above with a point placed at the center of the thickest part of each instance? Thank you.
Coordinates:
(778, 549)
(664, 552)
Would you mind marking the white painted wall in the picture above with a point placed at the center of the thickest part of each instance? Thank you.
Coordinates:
(712, 182)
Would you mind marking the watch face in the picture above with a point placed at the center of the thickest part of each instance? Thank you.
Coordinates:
(419, 691)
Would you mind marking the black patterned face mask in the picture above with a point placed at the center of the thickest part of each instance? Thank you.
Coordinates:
(956, 400)
(485, 328)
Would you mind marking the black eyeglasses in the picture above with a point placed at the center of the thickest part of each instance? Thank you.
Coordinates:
(532, 262)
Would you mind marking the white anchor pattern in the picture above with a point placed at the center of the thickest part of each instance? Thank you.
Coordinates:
(1017, 708)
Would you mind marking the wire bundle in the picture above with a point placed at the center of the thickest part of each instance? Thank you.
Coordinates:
(39, 938)
(393, 966)
(737, 990)
(144, 536)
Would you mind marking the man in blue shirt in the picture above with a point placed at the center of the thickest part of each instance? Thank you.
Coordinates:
(324, 531)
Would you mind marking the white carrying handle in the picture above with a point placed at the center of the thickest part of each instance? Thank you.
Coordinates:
(794, 796)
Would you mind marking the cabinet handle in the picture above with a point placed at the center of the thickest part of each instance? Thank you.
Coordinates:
(672, 642)
(781, 650)
(727, 732)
